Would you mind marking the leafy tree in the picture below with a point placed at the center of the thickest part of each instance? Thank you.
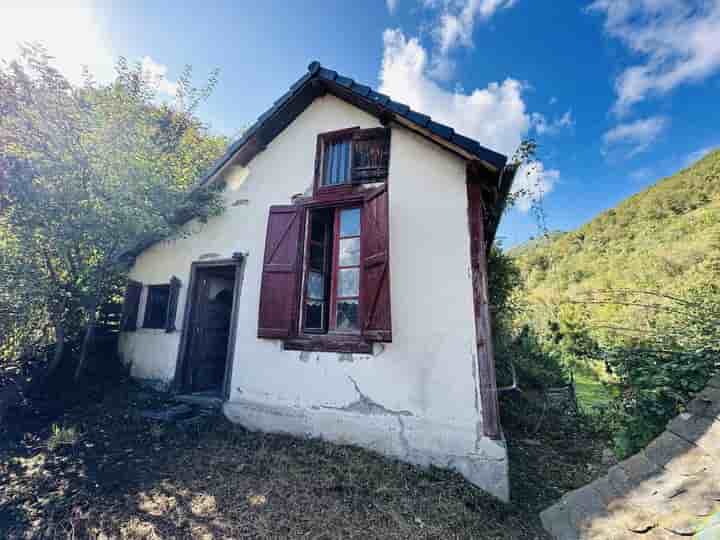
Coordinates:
(89, 172)
(634, 292)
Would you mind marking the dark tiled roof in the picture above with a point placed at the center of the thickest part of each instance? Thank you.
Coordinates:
(282, 113)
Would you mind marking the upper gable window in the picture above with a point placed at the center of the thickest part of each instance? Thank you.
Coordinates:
(352, 156)
(336, 162)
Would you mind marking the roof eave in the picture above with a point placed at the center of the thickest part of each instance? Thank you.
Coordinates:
(319, 80)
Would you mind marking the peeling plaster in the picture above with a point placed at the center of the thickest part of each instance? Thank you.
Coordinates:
(345, 357)
(366, 405)
(304, 356)
(205, 256)
(241, 202)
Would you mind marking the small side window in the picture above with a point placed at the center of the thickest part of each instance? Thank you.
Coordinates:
(156, 307)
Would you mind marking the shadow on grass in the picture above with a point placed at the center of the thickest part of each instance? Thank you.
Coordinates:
(127, 477)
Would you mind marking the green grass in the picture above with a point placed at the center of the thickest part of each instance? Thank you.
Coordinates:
(591, 392)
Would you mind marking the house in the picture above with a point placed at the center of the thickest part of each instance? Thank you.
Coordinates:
(343, 292)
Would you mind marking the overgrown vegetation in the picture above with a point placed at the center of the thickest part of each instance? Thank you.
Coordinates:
(87, 173)
(128, 477)
(631, 299)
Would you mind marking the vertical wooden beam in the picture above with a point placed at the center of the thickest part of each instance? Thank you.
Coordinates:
(483, 333)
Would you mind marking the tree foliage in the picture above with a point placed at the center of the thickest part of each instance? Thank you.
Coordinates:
(87, 173)
(635, 290)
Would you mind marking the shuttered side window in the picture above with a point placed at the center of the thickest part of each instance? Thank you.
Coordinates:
(131, 303)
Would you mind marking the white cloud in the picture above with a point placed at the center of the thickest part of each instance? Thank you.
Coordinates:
(156, 74)
(679, 41)
(543, 127)
(391, 5)
(494, 115)
(635, 137)
(532, 183)
(72, 33)
(457, 21)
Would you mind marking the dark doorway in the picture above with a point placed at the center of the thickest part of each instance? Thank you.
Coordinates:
(208, 333)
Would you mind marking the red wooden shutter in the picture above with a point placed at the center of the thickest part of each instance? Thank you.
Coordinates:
(172, 304)
(131, 303)
(375, 285)
(371, 155)
(280, 287)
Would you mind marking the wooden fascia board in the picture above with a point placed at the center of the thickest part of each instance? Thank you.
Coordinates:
(486, 383)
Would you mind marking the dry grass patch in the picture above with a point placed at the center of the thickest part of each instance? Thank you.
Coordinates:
(129, 481)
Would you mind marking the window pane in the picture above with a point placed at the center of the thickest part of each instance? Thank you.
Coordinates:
(315, 288)
(347, 315)
(336, 163)
(348, 282)
(317, 256)
(156, 307)
(314, 315)
(350, 222)
(349, 254)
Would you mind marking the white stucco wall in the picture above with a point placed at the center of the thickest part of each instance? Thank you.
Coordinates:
(415, 398)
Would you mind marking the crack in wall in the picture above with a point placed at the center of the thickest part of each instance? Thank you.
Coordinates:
(366, 405)
(403, 438)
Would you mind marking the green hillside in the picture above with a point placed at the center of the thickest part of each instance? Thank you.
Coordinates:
(665, 238)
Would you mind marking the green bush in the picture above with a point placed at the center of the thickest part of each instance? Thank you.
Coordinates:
(659, 372)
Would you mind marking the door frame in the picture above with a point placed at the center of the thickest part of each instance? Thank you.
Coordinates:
(238, 261)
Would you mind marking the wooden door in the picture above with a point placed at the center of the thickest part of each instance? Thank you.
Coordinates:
(210, 332)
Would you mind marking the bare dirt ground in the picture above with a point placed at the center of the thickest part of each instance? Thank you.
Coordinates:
(99, 470)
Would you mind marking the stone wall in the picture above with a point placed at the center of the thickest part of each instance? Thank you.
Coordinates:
(669, 490)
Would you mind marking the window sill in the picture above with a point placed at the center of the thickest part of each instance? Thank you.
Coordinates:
(329, 343)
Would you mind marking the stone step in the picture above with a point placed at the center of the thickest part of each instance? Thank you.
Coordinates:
(171, 413)
(200, 401)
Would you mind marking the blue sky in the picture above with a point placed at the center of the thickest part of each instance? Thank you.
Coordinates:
(617, 93)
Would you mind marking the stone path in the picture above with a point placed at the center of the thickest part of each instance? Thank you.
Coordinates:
(670, 490)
